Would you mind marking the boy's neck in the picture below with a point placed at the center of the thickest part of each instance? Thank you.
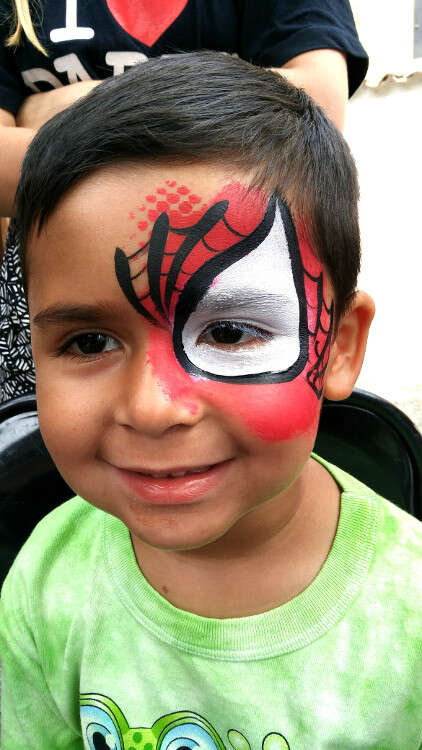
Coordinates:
(265, 561)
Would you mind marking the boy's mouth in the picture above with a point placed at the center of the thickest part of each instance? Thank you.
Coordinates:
(175, 485)
(173, 472)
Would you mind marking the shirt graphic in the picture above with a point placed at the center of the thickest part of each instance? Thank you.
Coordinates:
(146, 20)
(104, 727)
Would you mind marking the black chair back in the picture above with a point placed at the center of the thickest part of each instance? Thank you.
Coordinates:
(377, 443)
(30, 485)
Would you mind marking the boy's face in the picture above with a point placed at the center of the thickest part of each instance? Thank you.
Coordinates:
(178, 328)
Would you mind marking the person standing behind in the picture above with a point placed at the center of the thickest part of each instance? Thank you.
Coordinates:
(52, 53)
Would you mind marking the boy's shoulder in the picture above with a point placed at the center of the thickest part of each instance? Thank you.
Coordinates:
(59, 546)
(397, 534)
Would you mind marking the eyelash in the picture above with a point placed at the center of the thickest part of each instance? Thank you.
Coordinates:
(64, 349)
(238, 326)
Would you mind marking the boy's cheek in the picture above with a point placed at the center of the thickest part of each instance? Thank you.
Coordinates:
(273, 412)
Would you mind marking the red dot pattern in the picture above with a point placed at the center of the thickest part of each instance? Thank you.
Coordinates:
(182, 207)
(185, 207)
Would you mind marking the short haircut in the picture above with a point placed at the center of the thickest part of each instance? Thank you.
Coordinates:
(206, 107)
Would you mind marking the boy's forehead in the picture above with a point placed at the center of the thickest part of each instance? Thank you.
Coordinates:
(117, 207)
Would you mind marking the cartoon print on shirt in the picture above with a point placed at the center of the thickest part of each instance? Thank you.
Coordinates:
(104, 727)
(209, 275)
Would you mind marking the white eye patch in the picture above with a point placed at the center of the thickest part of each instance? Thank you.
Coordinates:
(258, 291)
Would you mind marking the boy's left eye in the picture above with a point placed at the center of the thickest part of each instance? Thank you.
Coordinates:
(230, 335)
(89, 344)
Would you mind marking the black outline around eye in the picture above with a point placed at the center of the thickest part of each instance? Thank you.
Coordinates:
(199, 283)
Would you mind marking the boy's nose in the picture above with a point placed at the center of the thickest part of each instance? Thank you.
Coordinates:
(151, 404)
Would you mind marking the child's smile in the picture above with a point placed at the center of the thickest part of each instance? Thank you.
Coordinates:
(186, 372)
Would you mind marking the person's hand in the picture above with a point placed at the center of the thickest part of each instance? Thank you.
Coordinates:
(38, 108)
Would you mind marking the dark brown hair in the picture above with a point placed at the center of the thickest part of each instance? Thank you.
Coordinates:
(202, 107)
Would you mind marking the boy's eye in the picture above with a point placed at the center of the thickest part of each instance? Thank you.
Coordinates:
(229, 334)
(89, 344)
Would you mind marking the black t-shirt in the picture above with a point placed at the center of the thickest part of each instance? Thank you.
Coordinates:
(99, 38)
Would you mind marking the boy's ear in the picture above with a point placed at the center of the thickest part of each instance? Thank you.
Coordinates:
(348, 348)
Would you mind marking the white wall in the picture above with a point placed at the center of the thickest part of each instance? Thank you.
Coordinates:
(385, 134)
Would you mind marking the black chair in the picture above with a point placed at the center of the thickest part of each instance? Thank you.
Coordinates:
(30, 485)
(365, 435)
(377, 443)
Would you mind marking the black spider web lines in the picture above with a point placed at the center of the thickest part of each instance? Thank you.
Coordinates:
(180, 231)
(316, 373)
(155, 252)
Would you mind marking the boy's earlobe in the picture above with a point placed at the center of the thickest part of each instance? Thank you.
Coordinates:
(348, 348)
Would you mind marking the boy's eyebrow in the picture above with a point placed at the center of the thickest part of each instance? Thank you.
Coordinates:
(58, 314)
(238, 299)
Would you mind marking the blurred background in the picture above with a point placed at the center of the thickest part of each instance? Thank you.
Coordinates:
(384, 130)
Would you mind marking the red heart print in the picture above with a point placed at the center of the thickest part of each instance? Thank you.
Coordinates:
(146, 20)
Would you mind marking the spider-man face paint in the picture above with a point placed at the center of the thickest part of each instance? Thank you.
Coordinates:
(242, 297)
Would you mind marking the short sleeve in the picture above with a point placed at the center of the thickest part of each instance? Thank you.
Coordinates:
(274, 31)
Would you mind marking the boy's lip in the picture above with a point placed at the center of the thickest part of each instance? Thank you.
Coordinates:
(174, 490)
(172, 471)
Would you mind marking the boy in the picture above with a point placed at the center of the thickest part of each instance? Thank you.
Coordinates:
(190, 261)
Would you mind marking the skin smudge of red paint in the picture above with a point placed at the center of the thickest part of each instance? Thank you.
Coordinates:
(174, 381)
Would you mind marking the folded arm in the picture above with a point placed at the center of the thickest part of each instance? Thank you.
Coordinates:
(323, 75)
(17, 133)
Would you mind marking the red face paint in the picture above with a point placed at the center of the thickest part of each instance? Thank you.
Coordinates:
(273, 411)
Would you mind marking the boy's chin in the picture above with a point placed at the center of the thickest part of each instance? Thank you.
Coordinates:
(173, 535)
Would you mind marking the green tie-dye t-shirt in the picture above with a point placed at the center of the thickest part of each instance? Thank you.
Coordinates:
(93, 657)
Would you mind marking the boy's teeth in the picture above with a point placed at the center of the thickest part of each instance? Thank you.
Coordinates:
(162, 475)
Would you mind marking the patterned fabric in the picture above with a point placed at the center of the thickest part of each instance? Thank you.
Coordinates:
(17, 376)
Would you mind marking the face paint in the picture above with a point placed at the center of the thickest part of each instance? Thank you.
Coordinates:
(244, 302)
